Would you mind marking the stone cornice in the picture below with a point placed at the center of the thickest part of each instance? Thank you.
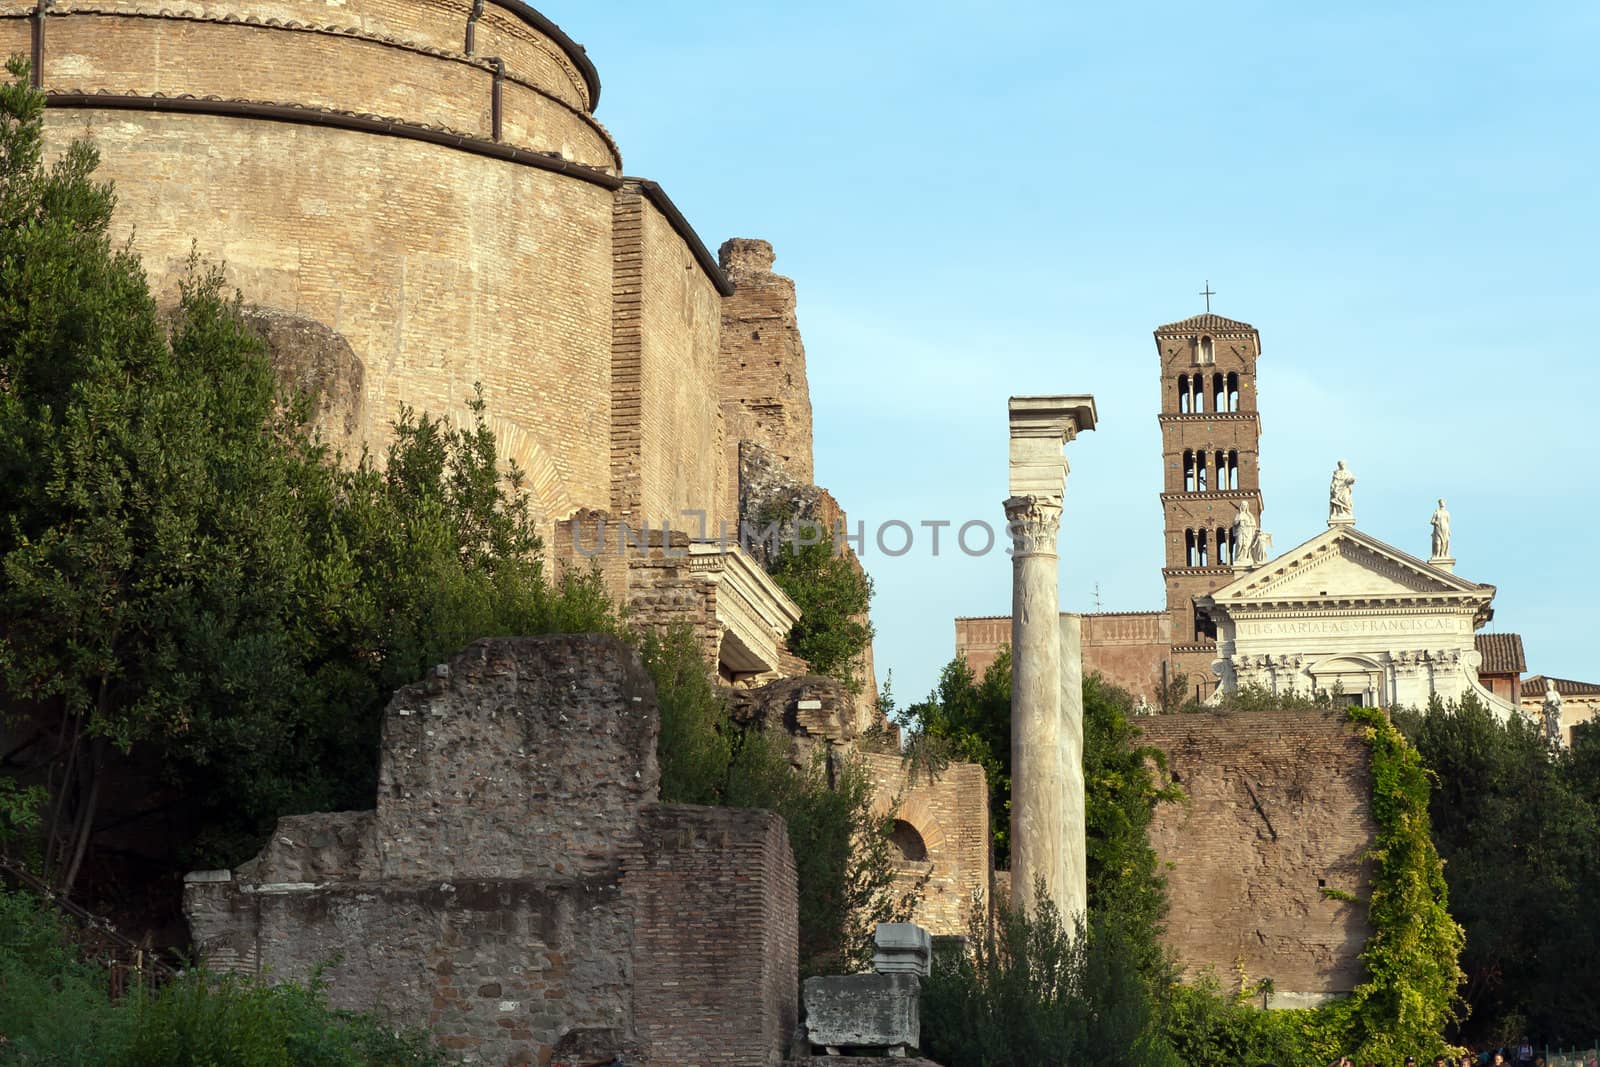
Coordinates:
(1212, 494)
(755, 614)
(1208, 416)
(1342, 607)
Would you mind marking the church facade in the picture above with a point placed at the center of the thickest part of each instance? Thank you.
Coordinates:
(1347, 615)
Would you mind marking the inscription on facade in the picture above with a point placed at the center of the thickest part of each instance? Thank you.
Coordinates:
(1407, 624)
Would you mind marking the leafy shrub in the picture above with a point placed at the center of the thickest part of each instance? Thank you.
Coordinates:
(841, 847)
(56, 1011)
(1031, 991)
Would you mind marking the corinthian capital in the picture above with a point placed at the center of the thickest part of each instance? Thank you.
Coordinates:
(1033, 522)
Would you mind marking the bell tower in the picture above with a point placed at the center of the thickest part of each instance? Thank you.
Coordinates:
(1210, 458)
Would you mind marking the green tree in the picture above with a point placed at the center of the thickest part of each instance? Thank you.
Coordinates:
(840, 842)
(146, 538)
(1035, 991)
(1519, 830)
(969, 719)
(833, 595)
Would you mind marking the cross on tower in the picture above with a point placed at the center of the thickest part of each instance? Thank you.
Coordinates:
(1208, 293)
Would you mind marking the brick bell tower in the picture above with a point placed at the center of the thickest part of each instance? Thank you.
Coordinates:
(1210, 453)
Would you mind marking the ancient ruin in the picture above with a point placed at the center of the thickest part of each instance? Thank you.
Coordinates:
(519, 889)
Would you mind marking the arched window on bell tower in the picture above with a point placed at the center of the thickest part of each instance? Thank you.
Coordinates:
(1188, 471)
(1201, 483)
(1191, 552)
(1183, 394)
(1233, 392)
(1219, 398)
(1233, 470)
(1201, 554)
(1206, 353)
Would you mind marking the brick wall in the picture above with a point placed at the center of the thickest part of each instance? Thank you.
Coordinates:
(1124, 648)
(950, 814)
(409, 68)
(441, 268)
(519, 890)
(714, 900)
(765, 396)
(1278, 808)
(684, 464)
(423, 278)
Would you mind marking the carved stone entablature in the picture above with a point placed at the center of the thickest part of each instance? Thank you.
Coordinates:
(1347, 611)
(1033, 522)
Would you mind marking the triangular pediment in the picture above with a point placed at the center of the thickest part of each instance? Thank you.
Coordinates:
(1343, 564)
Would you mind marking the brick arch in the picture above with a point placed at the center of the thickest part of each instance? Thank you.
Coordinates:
(542, 478)
(915, 812)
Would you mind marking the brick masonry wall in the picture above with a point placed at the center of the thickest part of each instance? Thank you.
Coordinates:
(1278, 807)
(765, 396)
(319, 62)
(502, 971)
(1124, 648)
(519, 890)
(715, 901)
(683, 458)
(950, 813)
(422, 278)
(440, 268)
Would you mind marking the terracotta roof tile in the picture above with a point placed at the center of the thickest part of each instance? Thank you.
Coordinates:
(1213, 323)
(1534, 685)
(1502, 654)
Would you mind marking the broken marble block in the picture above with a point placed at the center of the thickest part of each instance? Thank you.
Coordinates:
(863, 1012)
(902, 948)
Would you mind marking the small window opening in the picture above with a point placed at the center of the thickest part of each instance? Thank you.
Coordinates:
(907, 843)
(1233, 392)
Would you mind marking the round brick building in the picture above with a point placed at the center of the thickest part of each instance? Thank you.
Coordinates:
(426, 178)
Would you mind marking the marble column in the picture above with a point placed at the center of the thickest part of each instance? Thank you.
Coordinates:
(1075, 861)
(1046, 824)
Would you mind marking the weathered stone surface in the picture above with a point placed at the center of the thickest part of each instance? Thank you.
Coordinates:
(812, 709)
(519, 890)
(864, 1011)
(1277, 810)
(765, 396)
(318, 361)
(901, 948)
(522, 758)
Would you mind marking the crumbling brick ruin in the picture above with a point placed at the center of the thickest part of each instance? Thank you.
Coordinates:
(941, 821)
(518, 888)
(1267, 868)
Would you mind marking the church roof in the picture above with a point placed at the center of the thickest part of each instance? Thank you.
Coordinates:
(1371, 571)
(1207, 323)
(1502, 653)
(1534, 685)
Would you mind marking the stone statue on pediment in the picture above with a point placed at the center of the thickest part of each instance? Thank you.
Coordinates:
(1341, 502)
(1441, 532)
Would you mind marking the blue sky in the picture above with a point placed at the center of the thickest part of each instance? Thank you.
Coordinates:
(980, 200)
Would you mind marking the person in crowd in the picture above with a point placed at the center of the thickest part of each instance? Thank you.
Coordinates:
(1524, 1052)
